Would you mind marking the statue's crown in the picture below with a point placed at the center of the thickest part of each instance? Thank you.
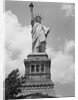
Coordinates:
(38, 16)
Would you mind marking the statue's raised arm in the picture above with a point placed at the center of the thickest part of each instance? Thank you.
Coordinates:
(32, 14)
(39, 33)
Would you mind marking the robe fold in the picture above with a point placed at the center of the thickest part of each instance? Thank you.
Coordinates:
(39, 34)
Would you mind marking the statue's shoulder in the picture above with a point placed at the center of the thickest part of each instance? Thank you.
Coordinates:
(36, 25)
(32, 22)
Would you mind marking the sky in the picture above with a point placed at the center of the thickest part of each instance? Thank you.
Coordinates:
(60, 18)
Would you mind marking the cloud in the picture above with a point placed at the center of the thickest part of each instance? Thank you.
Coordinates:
(69, 8)
(69, 46)
(17, 42)
(58, 38)
(62, 63)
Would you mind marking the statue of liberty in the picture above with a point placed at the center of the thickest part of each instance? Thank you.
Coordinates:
(39, 33)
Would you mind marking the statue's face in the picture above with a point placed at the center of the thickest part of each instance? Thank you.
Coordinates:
(38, 19)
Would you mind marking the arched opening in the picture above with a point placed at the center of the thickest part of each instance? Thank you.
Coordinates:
(32, 68)
(42, 68)
(37, 68)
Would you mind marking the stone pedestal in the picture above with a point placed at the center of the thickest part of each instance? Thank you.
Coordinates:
(37, 75)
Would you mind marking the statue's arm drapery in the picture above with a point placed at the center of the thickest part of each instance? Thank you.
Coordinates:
(46, 30)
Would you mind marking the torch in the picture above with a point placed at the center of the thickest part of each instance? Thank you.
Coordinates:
(31, 6)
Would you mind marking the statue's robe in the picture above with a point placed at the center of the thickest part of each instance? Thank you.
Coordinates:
(39, 34)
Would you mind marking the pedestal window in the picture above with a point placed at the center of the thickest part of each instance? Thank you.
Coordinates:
(32, 68)
(42, 68)
(37, 68)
